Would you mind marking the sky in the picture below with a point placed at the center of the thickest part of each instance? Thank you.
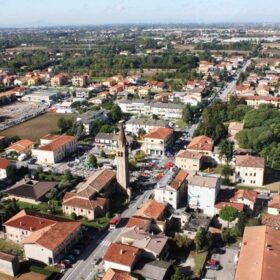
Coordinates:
(19, 13)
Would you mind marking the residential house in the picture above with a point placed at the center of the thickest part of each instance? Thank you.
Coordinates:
(30, 191)
(153, 245)
(88, 118)
(121, 257)
(154, 211)
(113, 274)
(202, 193)
(203, 145)
(80, 80)
(59, 80)
(9, 264)
(234, 128)
(172, 189)
(134, 125)
(221, 204)
(205, 66)
(263, 90)
(157, 141)
(273, 206)
(259, 257)
(167, 111)
(189, 160)
(4, 164)
(45, 238)
(53, 148)
(246, 197)
(256, 101)
(20, 147)
(249, 170)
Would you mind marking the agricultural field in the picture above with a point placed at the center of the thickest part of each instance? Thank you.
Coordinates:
(35, 128)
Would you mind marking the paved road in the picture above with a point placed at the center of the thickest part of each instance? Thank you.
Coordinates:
(84, 268)
(228, 267)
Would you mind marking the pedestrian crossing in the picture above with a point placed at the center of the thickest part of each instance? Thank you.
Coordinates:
(105, 243)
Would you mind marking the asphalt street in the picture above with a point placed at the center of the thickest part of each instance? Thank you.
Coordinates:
(84, 269)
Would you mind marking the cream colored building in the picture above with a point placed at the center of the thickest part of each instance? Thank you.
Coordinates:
(45, 238)
(188, 160)
(157, 141)
(249, 170)
(273, 207)
(80, 81)
(54, 148)
(170, 190)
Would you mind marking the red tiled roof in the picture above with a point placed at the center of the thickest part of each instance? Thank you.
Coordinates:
(238, 206)
(151, 209)
(141, 222)
(275, 202)
(160, 133)
(179, 179)
(250, 161)
(4, 163)
(122, 254)
(201, 143)
(247, 194)
(57, 143)
(112, 274)
(189, 154)
(85, 203)
(20, 146)
(259, 255)
(271, 220)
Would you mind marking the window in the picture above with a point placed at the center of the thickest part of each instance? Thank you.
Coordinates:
(245, 174)
(82, 210)
(254, 174)
(74, 209)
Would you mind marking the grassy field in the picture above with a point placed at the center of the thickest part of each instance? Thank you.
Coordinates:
(37, 127)
(10, 247)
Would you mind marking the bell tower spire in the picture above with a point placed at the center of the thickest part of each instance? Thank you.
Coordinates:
(122, 161)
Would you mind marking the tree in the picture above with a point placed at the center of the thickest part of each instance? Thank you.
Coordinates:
(228, 213)
(103, 154)
(187, 113)
(116, 113)
(226, 171)
(106, 128)
(226, 150)
(179, 275)
(240, 225)
(11, 172)
(182, 241)
(199, 239)
(73, 216)
(139, 156)
(92, 161)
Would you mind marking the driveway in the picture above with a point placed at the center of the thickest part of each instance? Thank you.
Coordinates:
(228, 267)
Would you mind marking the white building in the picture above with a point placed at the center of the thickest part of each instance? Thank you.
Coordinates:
(133, 125)
(157, 141)
(202, 193)
(171, 190)
(54, 148)
(4, 163)
(249, 170)
(142, 107)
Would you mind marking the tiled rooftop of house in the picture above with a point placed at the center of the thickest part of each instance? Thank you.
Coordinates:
(151, 209)
(160, 133)
(122, 254)
(250, 161)
(201, 143)
(259, 255)
(57, 142)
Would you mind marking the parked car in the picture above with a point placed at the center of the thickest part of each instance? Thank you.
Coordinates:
(219, 251)
(213, 262)
(76, 251)
(213, 267)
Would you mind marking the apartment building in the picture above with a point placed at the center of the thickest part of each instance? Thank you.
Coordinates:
(59, 80)
(172, 189)
(189, 160)
(80, 81)
(134, 125)
(249, 170)
(202, 193)
(157, 141)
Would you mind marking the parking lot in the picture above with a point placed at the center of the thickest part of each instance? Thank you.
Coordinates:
(227, 270)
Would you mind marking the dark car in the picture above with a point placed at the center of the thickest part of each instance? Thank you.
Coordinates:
(213, 267)
(219, 251)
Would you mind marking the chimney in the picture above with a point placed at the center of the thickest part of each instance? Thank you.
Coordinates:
(31, 228)
(121, 251)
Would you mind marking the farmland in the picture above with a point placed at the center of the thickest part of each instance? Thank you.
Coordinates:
(35, 128)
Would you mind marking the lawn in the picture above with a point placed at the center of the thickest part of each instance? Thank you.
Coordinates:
(181, 124)
(11, 247)
(35, 128)
(199, 260)
(97, 223)
(42, 207)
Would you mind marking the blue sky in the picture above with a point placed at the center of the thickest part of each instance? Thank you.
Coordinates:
(81, 12)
